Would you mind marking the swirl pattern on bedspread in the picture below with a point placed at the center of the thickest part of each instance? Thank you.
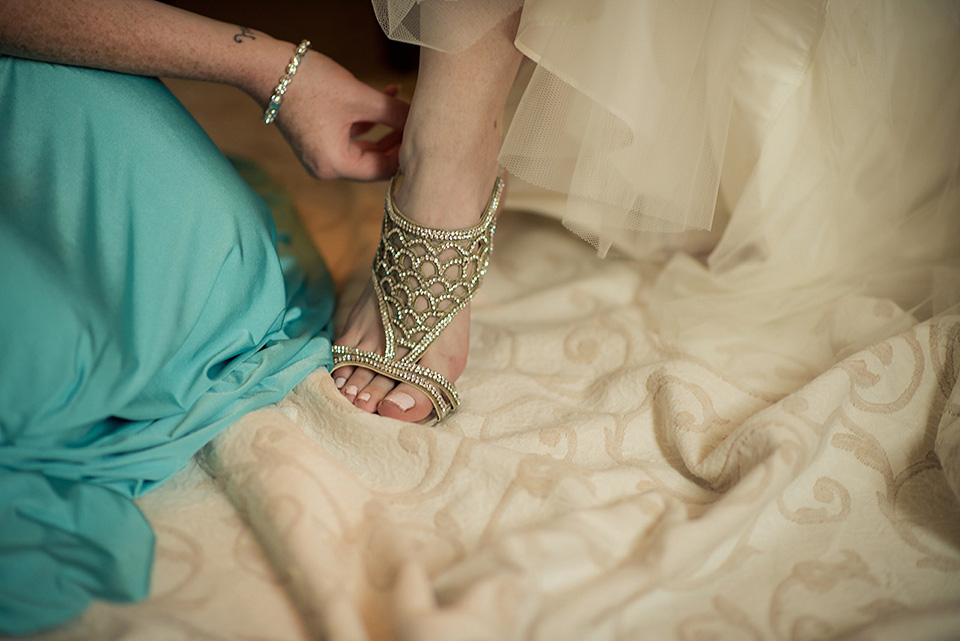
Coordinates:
(598, 483)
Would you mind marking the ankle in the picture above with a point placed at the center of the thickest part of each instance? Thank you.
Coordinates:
(445, 188)
(462, 150)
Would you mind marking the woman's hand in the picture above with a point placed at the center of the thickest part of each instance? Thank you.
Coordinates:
(325, 114)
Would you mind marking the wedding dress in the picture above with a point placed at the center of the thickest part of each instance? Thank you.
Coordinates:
(143, 308)
(802, 153)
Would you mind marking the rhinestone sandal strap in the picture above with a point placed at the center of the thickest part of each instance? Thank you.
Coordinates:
(441, 392)
(424, 276)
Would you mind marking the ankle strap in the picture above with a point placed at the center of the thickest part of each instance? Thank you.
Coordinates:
(424, 276)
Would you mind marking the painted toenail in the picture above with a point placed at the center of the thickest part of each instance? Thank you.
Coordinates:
(339, 381)
(401, 400)
(364, 397)
(351, 390)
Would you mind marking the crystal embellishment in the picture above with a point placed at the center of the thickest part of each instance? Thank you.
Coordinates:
(423, 277)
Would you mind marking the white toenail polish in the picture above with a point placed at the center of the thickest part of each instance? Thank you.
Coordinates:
(364, 397)
(339, 381)
(401, 400)
(351, 390)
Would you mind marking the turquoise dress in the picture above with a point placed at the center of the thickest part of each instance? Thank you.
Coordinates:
(143, 307)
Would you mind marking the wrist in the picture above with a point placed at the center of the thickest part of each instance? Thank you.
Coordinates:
(276, 98)
(262, 68)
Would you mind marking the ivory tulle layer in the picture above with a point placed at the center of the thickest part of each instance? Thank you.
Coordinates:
(820, 142)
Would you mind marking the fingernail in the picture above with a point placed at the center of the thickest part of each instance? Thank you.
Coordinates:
(364, 397)
(339, 381)
(351, 390)
(401, 400)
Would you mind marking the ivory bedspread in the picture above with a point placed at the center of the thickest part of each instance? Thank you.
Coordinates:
(600, 482)
(753, 438)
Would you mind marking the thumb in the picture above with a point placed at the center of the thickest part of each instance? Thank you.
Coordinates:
(385, 109)
(368, 163)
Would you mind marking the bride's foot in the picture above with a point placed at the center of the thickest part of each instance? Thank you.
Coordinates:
(448, 160)
(453, 202)
(376, 393)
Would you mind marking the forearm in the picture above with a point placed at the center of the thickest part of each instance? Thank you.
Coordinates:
(142, 37)
(321, 116)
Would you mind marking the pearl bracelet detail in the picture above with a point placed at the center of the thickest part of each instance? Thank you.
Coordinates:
(274, 104)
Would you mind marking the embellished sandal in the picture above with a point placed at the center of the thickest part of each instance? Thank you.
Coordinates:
(423, 277)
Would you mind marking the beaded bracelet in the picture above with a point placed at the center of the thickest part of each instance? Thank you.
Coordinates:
(285, 80)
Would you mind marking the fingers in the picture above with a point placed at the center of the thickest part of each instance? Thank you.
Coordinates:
(386, 142)
(360, 128)
(385, 145)
(390, 141)
(384, 108)
(374, 165)
(363, 160)
(374, 159)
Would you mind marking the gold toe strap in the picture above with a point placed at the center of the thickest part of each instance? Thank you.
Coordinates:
(441, 392)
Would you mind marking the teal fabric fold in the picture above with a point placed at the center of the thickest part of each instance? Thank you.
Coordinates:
(144, 306)
(64, 543)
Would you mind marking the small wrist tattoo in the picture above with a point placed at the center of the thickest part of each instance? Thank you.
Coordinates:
(244, 33)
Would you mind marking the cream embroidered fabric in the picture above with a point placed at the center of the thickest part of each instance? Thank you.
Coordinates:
(599, 482)
(757, 437)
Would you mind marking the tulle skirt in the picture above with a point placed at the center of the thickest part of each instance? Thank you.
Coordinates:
(799, 153)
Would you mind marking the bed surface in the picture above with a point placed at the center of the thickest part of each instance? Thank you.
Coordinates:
(602, 480)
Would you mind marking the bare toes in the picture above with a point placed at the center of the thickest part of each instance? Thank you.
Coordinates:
(370, 396)
(358, 380)
(405, 403)
(340, 376)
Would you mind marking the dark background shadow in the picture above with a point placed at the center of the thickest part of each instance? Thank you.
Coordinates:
(345, 30)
